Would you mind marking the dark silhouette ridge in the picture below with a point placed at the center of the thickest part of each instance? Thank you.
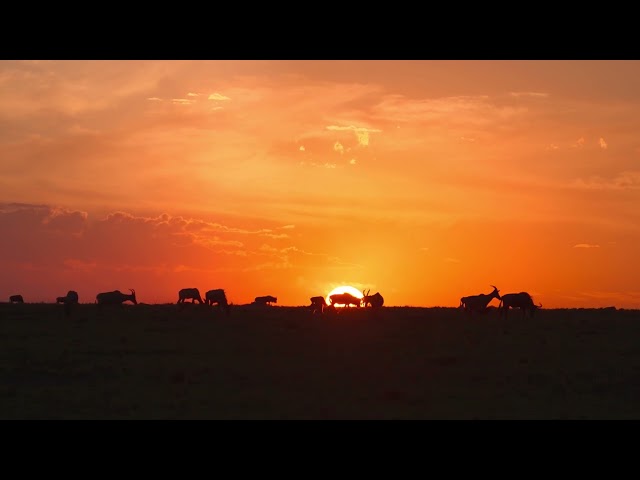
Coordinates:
(116, 297)
(478, 303)
(318, 304)
(266, 300)
(374, 301)
(192, 293)
(345, 299)
(217, 296)
(16, 299)
(521, 300)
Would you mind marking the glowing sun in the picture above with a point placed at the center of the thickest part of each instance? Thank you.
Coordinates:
(344, 289)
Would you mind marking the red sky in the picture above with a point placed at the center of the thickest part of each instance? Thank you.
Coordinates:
(424, 180)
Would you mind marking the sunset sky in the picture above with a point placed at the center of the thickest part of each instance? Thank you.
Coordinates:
(423, 180)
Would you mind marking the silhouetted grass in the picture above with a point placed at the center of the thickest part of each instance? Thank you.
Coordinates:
(194, 362)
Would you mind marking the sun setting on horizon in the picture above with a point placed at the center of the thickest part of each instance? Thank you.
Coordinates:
(430, 180)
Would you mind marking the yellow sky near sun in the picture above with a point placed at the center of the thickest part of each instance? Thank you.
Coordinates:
(424, 180)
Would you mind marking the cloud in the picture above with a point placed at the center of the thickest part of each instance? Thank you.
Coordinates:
(424, 249)
(579, 143)
(154, 99)
(338, 148)
(181, 101)
(586, 245)
(193, 94)
(362, 133)
(302, 148)
(623, 181)
(353, 161)
(553, 146)
(602, 143)
(452, 260)
(288, 227)
(529, 94)
(218, 97)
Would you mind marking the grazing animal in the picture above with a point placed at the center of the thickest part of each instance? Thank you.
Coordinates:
(192, 293)
(478, 303)
(521, 300)
(266, 300)
(70, 299)
(345, 299)
(16, 299)
(375, 301)
(217, 296)
(116, 297)
(318, 304)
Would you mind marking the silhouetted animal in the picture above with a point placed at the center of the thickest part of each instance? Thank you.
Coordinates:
(217, 296)
(478, 303)
(192, 293)
(318, 304)
(375, 301)
(116, 297)
(16, 299)
(345, 299)
(521, 300)
(70, 297)
(266, 300)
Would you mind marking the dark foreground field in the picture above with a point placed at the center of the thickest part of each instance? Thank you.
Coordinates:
(162, 362)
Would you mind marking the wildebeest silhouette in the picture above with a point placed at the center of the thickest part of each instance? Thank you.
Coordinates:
(375, 301)
(71, 298)
(16, 299)
(345, 299)
(217, 296)
(192, 293)
(318, 304)
(266, 300)
(478, 303)
(521, 300)
(116, 297)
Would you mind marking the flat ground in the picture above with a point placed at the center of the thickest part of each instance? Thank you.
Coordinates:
(167, 362)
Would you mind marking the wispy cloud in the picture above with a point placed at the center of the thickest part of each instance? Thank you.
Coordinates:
(452, 260)
(579, 143)
(181, 101)
(362, 133)
(353, 161)
(338, 148)
(586, 245)
(602, 143)
(623, 181)
(190, 94)
(529, 94)
(218, 97)
(302, 148)
(154, 99)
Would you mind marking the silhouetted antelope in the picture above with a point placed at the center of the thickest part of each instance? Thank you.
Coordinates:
(217, 296)
(345, 299)
(521, 300)
(116, 297)
(375, 301)
(16, 299)
(266, 300)
(192, 293)
(318, 304)
(478, 303)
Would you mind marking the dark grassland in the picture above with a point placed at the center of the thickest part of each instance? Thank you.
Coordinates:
(167, 362)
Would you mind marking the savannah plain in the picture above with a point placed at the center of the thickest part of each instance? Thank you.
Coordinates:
(193, 362)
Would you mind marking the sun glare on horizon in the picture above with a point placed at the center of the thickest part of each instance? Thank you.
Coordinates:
(344, 289)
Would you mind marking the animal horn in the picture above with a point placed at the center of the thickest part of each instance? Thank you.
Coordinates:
(132, 290)
(494, 287)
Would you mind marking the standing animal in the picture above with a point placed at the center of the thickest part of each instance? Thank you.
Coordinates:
(266, 300)
(345, 299)
(318, 304)
(478, 303)
(521, 300)
(16, 299)
(375, 301)
(116, 297)
(192, 293)
(217, 296)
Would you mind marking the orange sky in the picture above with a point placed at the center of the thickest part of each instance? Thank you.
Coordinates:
(424, 180)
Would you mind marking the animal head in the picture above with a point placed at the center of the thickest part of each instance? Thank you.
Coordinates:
(133, 296)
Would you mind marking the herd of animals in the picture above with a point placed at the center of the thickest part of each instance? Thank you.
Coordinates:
(470, 304)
